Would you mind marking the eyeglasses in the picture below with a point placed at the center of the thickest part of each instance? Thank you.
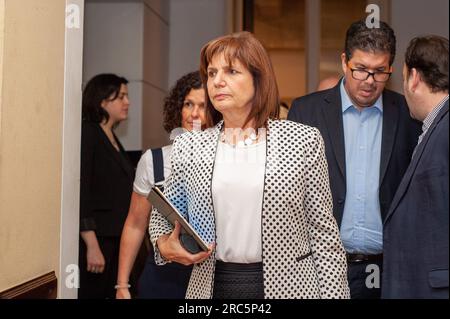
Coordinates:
(363, 75)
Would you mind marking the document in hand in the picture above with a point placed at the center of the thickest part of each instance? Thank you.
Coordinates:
(189, 238)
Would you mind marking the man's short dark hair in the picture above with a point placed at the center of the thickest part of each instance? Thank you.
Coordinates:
(361, 37)
(429, 56)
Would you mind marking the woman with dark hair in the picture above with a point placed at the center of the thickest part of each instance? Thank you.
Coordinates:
(106, 184)
(255, 186)
(184, 110)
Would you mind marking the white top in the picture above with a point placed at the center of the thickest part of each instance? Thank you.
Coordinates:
(237, 191)
(145, 178)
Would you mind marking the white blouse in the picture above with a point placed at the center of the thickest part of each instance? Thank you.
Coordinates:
(237, 191)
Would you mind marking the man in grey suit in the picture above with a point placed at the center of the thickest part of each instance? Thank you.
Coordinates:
(416, 228)
(369, 139)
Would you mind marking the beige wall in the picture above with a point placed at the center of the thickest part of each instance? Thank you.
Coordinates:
(31, 113)
(2, 37)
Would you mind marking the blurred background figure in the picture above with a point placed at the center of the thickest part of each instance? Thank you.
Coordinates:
(184, 108)
(106, 184)
(284, 110)
(328, 82)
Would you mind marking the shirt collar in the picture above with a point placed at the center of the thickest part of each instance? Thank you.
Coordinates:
(347, 102)
(432, 115)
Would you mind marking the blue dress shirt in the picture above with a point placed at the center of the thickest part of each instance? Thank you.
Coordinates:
(362, 227)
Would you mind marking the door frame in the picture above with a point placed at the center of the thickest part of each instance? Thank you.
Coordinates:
(71, 146)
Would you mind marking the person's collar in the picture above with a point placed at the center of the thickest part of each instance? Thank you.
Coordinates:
(432, 115)
(347, 102)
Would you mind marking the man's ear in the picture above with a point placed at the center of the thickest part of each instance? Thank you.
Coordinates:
(344, 63)
(414, 77)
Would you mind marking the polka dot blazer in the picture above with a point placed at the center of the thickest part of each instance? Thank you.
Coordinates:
(302, 254)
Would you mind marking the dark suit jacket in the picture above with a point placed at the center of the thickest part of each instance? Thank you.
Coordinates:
(400, 133)
(106, 183)
(416, 228)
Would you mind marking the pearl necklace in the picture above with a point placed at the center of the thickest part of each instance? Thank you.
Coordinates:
(249, 140)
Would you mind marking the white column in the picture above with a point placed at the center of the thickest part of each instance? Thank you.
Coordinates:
(71, 139)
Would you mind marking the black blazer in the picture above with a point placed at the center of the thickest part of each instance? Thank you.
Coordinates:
(416, 229)
(106, 183)
(399, 137)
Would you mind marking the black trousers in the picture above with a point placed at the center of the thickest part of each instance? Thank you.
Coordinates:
(364, 279)
(99, 286)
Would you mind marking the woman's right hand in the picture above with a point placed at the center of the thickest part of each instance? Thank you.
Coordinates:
(95, 260)
(171, 249)
(123, 293)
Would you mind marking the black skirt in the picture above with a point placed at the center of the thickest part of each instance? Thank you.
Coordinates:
(238, 281)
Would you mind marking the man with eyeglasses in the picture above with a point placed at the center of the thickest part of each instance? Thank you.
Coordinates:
(369, 139)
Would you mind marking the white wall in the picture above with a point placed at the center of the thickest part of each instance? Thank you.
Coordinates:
(113, 44)
(152, 43)
(410, 18)
(192, 24)
(131, 38)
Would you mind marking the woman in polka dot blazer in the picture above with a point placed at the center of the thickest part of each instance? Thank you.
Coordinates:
(254, 187)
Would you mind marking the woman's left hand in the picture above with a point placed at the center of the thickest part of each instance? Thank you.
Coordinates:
(171, 249)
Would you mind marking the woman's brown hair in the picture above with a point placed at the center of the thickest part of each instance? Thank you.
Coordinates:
(244, 47)
(173, 103)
